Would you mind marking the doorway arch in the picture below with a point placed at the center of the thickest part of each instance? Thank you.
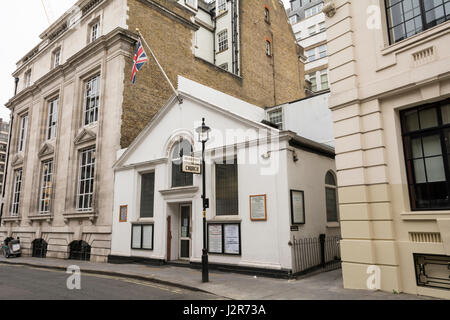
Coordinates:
(79, 250)
(39, 248)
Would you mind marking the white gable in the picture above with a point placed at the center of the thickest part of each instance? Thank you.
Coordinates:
(176, 120)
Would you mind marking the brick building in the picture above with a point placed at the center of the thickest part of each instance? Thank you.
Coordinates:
(76, 108)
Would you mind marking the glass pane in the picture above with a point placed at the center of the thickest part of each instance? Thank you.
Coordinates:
(416, 146)
(435, 169)
(428, 118)
(435, 16)
(419, 171)
(445, 111)
(331, 203)
(136, 241)
(412, 121)
(227, 189)
(147, 237)
(147, 194)
(432, 145)
(430, 4)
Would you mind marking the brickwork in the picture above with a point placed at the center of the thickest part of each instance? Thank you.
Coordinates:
(264, 81)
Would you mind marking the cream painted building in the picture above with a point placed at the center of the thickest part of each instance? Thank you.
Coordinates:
(389, 67)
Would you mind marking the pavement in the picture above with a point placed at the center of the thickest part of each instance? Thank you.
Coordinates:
(18, 282)
(323, 286)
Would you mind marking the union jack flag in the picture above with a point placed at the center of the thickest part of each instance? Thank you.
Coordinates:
(140, 58)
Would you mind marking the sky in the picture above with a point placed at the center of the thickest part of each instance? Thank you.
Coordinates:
(23, 21)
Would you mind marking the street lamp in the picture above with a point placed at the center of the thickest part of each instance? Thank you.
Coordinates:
(203, 137)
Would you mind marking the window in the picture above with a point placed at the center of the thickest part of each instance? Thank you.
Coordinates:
(313, 80)
(311, 55)
(52, 118)
(86, 179)
(224, 66)
(322, 26)
(266, 14)
(295, 4)
(147, 194)
(222, 37)
(313, 10)
(268, 48)
(227, 189)
(409, 17)
(56, 58)
(323, 51)
(23, 133)
(16, 193)
(46, 187)
(331, 197)
(276, 117)
(91, 100)
(221, 6)
(298, 35)
(191, 3)
(95, 31)
(27, 78)
(426, 141)
(293, 19)
(142, 237)
(179, 178)
(324, 80)
(312, 30)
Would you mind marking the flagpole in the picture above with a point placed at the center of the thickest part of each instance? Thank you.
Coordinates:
(160, 68)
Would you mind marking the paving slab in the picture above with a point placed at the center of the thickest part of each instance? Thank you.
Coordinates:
(323, 286)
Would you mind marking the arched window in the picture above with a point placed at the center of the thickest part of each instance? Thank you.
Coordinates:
(331, 197)
(79, 250)
(179, 178)
(39, 248)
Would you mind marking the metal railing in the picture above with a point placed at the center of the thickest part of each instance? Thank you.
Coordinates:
(311, 254)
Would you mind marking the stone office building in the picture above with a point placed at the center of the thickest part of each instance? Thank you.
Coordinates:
(76, 106)
(4, 136)
(390, 90)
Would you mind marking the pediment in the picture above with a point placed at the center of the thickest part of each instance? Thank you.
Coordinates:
(46, 149)
(85, 135)
(17, 160)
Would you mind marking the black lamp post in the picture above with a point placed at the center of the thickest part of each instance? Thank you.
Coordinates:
(203, 137)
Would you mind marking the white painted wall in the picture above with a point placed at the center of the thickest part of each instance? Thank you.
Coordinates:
(264, 244)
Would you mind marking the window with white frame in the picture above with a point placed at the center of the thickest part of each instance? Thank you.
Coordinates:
(52, 118)
(276, 117)
(266, 14)
(313, 10)
(331, 197)
(23, 133)
(268, 48)
(227, 195)
(221, 6)
(222, 38)
(191, 3)
(313, 80)
(85, 195)
(147, 194)
(311, 55)
(322, 51)
(180, 178)
(95, 31)
(293, 19)
(56, 58)
(324, 80)
(322, 26)
(312, 30)
(91, 100)
(46, 186)
(16, 193)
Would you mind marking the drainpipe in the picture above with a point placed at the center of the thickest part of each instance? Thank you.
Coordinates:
(11, 122)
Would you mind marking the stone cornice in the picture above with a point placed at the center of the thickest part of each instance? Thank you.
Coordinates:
(102, 43)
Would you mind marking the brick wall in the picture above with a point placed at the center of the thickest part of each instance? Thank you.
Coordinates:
(264, 81)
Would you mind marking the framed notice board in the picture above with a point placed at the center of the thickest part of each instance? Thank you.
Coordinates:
(224, 238)
(298, 207)
(258, 208)
(123, 214)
